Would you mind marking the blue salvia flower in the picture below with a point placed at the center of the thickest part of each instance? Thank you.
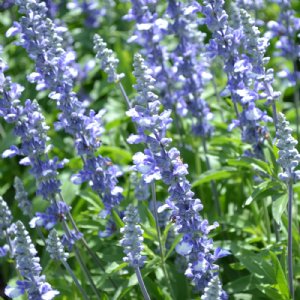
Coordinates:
(55, 213)
(132, 238)
(289, 157)
(27, 263)
(227, 42)
(286, 29)
(55, 71)
(109, 62)
(149, 32)
(5, 223)
(31, 127)
(255, 48)
(191, 65)
(68, 240)
(213, 291)
(22, 197)
(159, 161)
(55, 248)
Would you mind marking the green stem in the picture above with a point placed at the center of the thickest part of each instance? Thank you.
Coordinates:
(90, 251)
(141, 283)
(66, 265)
(290, 239)
(161, 246)
(80, 261)
(120, 85)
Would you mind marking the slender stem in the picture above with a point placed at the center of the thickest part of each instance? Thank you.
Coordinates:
(161, 246)
(80, 261)
(141, 283)
(290, 239)
(90, 251)
(66, 265)
(153, 191)
(120, 85)
(212, 182)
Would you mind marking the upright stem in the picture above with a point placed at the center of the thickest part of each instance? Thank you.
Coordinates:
(120, 85)
(212, 182)
(66, 265)
(142, 284)
(161, 247)
(90, 251)
(80, 261)
(290, 239)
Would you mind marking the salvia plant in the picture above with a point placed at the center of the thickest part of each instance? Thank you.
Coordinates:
(117, 117)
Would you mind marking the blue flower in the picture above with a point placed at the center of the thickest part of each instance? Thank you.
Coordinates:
(133, 238)
(28, 265)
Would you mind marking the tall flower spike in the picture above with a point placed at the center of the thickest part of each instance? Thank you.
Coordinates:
(54, 71)
(289, 157)
(108, 60)
(133, 238)
(132, 244)
(213, 291)
(22, 197)
(5, 223)
(229, 43)
(160, 161)
(55, 247)
(28, 265)
(5, 216)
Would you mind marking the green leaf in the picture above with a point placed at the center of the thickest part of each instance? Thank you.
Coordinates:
(175, 242)
(279, 206)
(280, 277)
(117, 219)
(243, 284)
(258, 164)
(263, 190)
(217, 174)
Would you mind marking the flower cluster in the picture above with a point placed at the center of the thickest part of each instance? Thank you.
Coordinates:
(55, 247)
(5, 223)
(30, 126)
(150, 30)
(108, 62)
(189, 57)
(213, 290)
(289, 157)
(22, 197)
(286, 29)
(28, 265)
(43, 40)
(159, 161)
(242, 52)
(133, 238)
